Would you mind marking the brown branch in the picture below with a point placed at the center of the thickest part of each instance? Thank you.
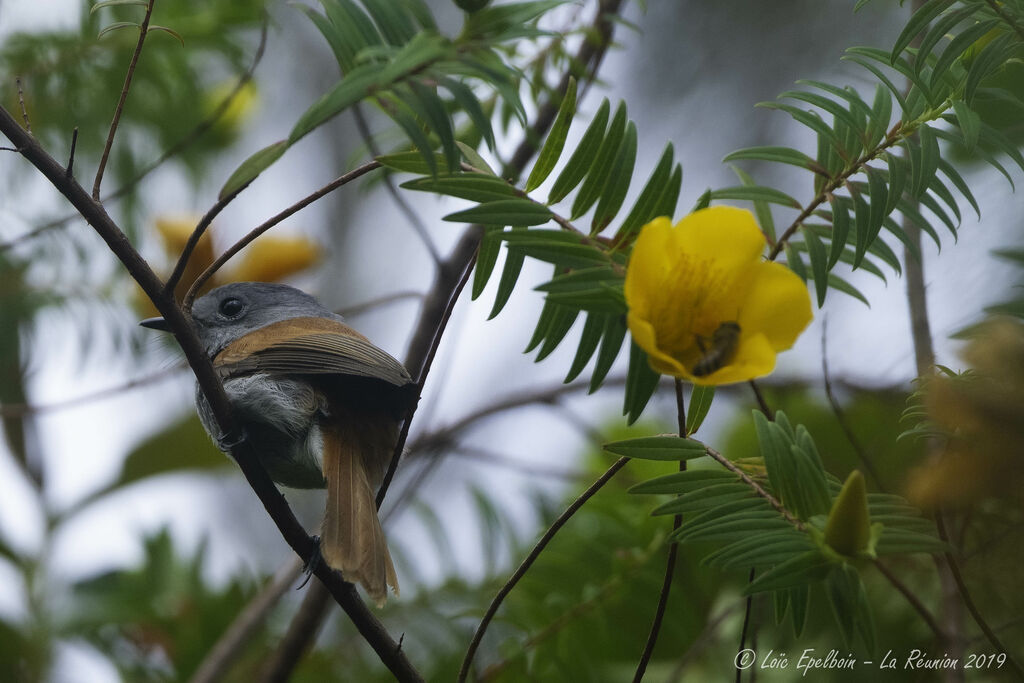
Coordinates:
(300, 635)
(239, 634)
(748, 610)
(70, 168)
(492, 609)
(242, 452)
(968, 600)
(758, 489)
(271, 222)
(914, 601)
(143, 32)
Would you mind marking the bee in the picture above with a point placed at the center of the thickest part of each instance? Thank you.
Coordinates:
(722, 348)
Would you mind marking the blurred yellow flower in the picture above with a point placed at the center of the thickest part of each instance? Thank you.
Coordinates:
(704, 305)
(238, 111)
(271, 258)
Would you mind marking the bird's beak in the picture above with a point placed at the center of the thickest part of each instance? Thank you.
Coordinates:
(156, 324)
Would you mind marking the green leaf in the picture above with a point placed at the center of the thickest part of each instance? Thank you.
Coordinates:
(897, 177)
(819, 263)
(993, 56)
(755, 193)
(839, 112)
(651, 196)
(516, 212)
(667, 202)
(597, 289)
(432, 111)
(779, 155)
(800, 570)
(403, 108)
(252, 167)
(593, 328)
(169, 31)
(562, 322)
(582, 158)
(117, 26)
(641, 383)
(960, 184)
(794, 262)
(958, 45)
(509, 276)
(867, 64)
(555, 142)
(544, 324)
(474, 159)
(600, 170)
(657, 448)
(356, 86)
(762, 209)
(881, 112)
(812, 121)
(617, 184)
(410, 162)
(391, 19)
(917, 23)
(700, 403)
(684, 482)
(558, 247)
(838, 283)
(469, 103)
(840, 229)
(486, 258)
(843, 589)
(611, 344)
(343, 49)
(475, 187)
(113, 3)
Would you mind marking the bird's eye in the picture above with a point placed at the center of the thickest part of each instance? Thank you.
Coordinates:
(231, 307)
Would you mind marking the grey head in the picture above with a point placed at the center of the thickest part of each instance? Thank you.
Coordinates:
(234, 310)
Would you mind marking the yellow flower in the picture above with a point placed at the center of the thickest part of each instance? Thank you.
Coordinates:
(238, 111)
(272, 258)
(703, 303)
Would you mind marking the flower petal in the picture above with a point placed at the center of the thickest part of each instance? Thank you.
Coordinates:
(724, 234)
(754, 357)
(646, 338)
(778, 305)
(650, 265)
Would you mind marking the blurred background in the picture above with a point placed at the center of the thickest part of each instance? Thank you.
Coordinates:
(120, 524)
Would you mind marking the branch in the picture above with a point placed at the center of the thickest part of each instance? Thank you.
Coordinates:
(673, 548)
(530, 559)
(268, 224)
(241, 631)
(143, 32)
(758, 489)
(290, 528)
(914, 601)
(301, 633)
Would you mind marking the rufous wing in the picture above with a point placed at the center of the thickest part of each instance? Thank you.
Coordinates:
(352, 540)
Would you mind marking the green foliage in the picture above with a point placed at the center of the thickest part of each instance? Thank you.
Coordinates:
(770, 515)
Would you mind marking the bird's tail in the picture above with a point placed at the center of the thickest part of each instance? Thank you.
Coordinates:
(353, 540)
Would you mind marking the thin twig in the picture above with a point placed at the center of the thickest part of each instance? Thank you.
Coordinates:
(239, 634)
(482, 455)
(840, 414)
(186, 252)
(271, 222)
(673, 548)
(914, 601)
(748, 610)
(761, 403)
(21, 103)
(70, 169)
(300, 635)
(143, 31)
(968, 600)
(492, 609)
(758, 489)
(17, 410)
